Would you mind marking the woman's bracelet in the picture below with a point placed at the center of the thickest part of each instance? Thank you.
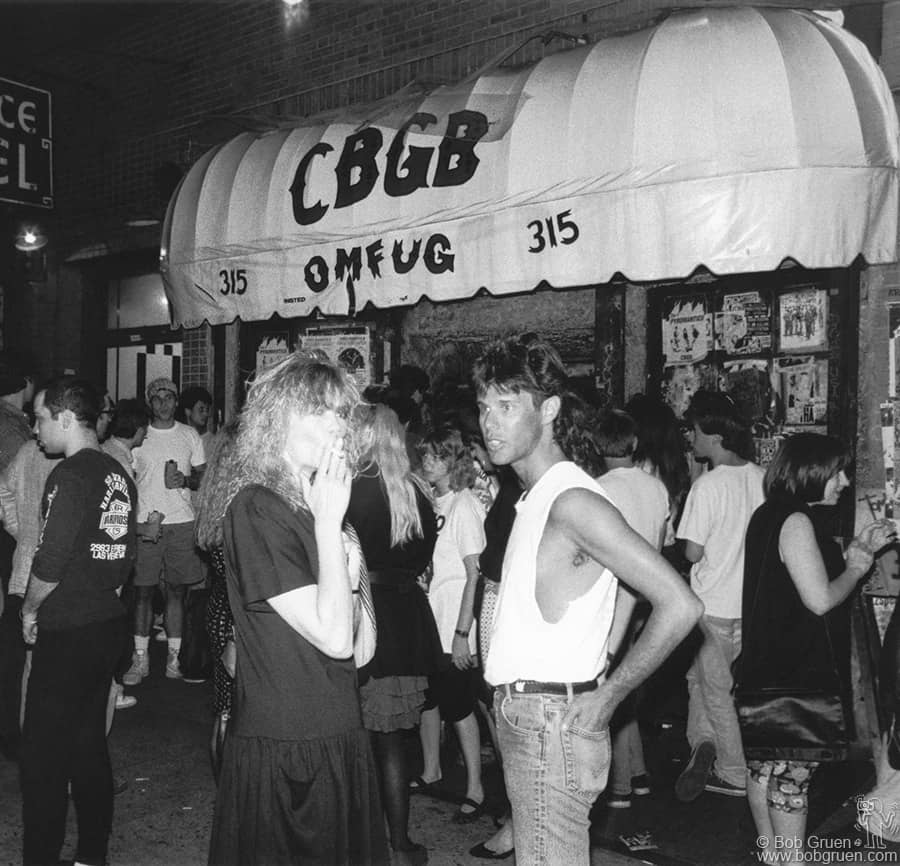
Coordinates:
(460, 633)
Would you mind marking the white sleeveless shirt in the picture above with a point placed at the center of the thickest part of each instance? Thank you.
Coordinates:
(524, 646)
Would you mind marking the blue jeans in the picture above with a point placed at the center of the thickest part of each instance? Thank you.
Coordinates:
(711, 712)
(553, 775)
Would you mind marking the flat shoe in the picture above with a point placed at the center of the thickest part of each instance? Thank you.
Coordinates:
(468, 817)
(420, 786)
(483, 853)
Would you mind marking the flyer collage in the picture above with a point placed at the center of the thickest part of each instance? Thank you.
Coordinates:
(768, 350)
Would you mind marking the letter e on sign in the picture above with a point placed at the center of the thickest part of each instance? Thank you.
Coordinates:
(26, 145)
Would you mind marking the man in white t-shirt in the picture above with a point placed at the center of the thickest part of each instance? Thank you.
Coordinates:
(644, 502)
(713, 524)
(168, 466)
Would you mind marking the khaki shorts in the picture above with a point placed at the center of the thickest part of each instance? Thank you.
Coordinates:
(173, 558)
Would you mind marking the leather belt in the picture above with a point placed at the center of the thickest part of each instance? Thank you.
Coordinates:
(533, 687)
(393, 578)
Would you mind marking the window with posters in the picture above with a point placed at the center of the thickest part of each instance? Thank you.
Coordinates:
(365, 347)
(781, 344)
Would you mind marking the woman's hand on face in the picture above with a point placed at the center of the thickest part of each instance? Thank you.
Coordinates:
(329, 491)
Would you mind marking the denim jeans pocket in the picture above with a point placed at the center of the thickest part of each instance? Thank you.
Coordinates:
(587, 757)
(522, 716)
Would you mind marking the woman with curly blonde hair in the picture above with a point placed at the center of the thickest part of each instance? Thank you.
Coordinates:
(298, 782)
(453, 691)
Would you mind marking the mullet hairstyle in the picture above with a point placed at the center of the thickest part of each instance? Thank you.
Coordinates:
(78, 396)
(716, 413)
(532, 365)
(382, 442)
(803, 466)
(213, 495)
(446, 443)
(304, 382)
(615, 433)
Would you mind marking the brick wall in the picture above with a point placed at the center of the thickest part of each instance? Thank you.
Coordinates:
(173, 80)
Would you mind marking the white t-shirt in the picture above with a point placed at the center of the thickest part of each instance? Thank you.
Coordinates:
(180, 443)
(642, 499)
(717, 510)
(460, 522)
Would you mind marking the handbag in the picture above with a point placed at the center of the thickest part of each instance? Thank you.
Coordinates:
(807, 722)
(364, 629)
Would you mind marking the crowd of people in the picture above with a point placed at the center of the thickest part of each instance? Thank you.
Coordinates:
(499, 559)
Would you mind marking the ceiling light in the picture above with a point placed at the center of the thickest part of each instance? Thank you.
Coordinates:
(30, 239)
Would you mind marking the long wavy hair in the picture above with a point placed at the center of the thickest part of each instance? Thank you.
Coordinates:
(212, 497)
(382, 443)
(304, 382)
(446, 443)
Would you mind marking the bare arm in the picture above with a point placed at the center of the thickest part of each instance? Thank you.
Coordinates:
(323, 614)
(693, 552)
(462, 658)
(626, 601)
(597, 527)
(800, 554)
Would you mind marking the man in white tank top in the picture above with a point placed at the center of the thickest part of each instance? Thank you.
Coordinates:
(567, 550)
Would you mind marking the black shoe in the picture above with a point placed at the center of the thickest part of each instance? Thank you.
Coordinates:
(482, 853)
(692, 781)
(414, 854)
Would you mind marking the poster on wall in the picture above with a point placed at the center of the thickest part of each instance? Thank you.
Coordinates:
(272, 349)
(802, 320)
(802, 385)
(749, 384)
(744, 326)
(680, 383)
(893, 350)
(348, 346)
(686, 330)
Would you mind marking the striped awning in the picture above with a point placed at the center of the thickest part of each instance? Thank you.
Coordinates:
(731, 138)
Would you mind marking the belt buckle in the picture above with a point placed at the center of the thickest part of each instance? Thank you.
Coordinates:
(519, 686)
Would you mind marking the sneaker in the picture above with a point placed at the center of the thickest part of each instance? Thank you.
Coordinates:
(124, 702)
(161, 635)
(640, 785)
(173, 671)
(717, 785)
(618, 801)
(140, 668)
(692, 781)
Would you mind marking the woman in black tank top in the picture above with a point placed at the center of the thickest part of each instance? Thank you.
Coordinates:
(795, 620)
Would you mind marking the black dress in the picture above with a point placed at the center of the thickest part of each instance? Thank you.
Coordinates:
(784, 644)
(298, 782)
(408, 648)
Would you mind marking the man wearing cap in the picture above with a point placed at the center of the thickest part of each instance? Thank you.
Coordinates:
(167, 490)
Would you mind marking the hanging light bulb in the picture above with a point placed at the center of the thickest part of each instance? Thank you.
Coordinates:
(30, 239)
